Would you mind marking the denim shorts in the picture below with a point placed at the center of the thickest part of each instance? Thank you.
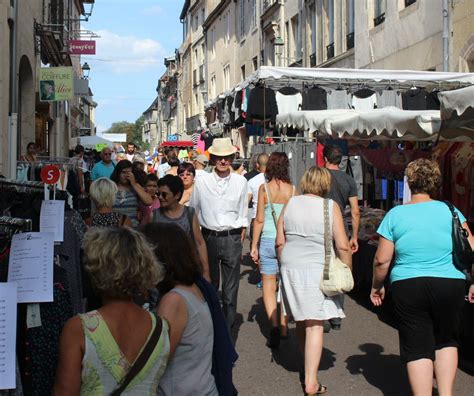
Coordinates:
(268, 258)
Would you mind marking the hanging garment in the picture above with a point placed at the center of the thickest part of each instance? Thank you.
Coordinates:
(364, 100)
(262, 104)
(314, 99)
(389, 98)
(414, 99)
(406, 191)
(432, 101)
(254, 129)
(288, 103)
(338, 99)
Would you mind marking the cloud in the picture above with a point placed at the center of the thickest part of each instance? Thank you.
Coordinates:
(126, 54)
(152, 11)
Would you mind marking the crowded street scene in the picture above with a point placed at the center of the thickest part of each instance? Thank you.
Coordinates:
(247, 197)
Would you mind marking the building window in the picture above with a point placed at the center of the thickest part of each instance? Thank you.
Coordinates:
(379, 12)
(350, 24)
(330, 15)
(295, 44)
(255, 63)
(226, 77)
(312, 24)
(196, 102)
(242, 72)
(213, 87)
(242, 18)
(409, 2)
(254, 13)
(213, 42)
(196, 22)
(203, 15)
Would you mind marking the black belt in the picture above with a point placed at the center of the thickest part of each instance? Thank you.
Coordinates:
(224, 233)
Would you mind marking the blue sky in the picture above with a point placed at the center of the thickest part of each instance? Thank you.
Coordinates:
(136, 35)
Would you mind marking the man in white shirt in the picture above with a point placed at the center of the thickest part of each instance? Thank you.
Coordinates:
(256, 181)
(221, 202)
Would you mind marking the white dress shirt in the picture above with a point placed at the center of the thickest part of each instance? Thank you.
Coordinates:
(199, 173)
(254, 185)
(221, 203)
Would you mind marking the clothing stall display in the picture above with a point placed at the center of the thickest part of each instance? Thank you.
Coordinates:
(38, 345)
(314, 98)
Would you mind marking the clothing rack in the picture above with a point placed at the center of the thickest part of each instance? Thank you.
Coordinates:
(33, 185)
(24, 225)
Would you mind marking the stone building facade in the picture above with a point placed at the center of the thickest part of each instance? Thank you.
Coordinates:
(32, 34)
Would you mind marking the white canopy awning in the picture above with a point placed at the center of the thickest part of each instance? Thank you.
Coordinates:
(387, 123)
(279, 77)
(90, 142)
(457, 112)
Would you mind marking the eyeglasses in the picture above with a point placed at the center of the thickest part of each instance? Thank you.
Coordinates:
(185, 174)
(106, 153)
(162, 194)
(227, 158)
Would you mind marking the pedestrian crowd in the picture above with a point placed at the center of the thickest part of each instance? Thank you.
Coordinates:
(163, 255)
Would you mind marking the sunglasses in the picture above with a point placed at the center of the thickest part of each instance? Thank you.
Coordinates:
(227, 158)
(107, 153)
(162, 194)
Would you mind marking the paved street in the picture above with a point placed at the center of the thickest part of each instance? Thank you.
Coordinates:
(360, 359)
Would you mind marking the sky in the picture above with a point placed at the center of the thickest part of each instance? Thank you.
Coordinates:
(135, 37)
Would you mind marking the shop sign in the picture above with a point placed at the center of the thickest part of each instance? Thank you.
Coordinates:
(81, 47)
(50, 174)
(56, 84)
(172, 138)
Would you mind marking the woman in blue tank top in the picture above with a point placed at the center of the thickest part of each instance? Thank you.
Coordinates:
(272, 196)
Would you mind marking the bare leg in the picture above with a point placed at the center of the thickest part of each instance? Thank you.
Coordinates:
(312, 353)
(445, 367)
(283, 322)
(420, 375)
(269, 298)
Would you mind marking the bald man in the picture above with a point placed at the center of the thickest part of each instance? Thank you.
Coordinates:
(105, 167)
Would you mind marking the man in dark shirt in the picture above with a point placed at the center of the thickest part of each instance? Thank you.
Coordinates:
(343, 191)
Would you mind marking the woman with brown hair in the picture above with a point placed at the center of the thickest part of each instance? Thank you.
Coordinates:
(300, 246)
(427, 288)
(273, 194)
(186, 173)
(184, 306)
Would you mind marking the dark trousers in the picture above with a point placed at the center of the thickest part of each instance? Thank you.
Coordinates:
(224, 254)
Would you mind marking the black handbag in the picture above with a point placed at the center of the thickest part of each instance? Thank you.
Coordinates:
(463, 255)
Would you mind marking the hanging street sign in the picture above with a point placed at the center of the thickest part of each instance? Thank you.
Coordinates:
(81, 47)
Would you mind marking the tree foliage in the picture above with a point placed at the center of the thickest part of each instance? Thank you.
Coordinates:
(133, 130)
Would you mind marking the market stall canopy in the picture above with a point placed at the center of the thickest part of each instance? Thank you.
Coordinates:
(387, 123)
(279, 77)
(91, 142)
(457, 113)
(179, 143)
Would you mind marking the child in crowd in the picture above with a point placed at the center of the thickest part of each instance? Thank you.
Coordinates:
(151, 188)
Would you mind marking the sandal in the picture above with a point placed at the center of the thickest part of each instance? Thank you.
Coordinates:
(321, 390)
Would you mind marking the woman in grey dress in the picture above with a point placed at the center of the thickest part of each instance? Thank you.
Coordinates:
(300, 246)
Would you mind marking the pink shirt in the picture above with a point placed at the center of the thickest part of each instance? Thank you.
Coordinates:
(146, 211)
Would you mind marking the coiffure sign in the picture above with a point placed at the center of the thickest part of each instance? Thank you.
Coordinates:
(81, 47)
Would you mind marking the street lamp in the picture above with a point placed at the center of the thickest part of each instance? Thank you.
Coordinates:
(85, 71)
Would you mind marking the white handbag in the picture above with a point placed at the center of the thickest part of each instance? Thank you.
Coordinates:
(337, 276)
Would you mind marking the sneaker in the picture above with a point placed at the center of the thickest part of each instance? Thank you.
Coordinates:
(326, 326)
(259, 285)
(335, 323)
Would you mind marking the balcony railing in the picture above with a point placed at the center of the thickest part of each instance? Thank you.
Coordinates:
(379, 19)
(350, 41)
(330, 51)
(266, 4)
(312, 60)
(409, 2)
(201, 74)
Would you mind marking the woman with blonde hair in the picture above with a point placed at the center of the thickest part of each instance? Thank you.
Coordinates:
(98, 350)
(300, 245)
(427, 288)
(103, 192)
(273, 194)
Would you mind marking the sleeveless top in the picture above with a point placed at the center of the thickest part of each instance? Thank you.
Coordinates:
(185, 221)
(104, 365)
(126, 202)
(269, 228)
(189, 370)
(112, 219)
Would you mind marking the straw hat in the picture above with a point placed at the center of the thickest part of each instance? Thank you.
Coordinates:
(202, 159)
(222, 147)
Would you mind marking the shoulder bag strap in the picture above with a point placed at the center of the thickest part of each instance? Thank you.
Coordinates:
(267, 190)
(142, 360)
(327, 240)
(190, 216)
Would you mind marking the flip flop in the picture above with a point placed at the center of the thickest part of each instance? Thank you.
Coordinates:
(320, 391)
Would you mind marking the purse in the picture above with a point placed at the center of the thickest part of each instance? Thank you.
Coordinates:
(463, 255)
(337, 276)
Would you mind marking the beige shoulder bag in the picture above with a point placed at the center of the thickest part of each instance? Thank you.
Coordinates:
(337, 276)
